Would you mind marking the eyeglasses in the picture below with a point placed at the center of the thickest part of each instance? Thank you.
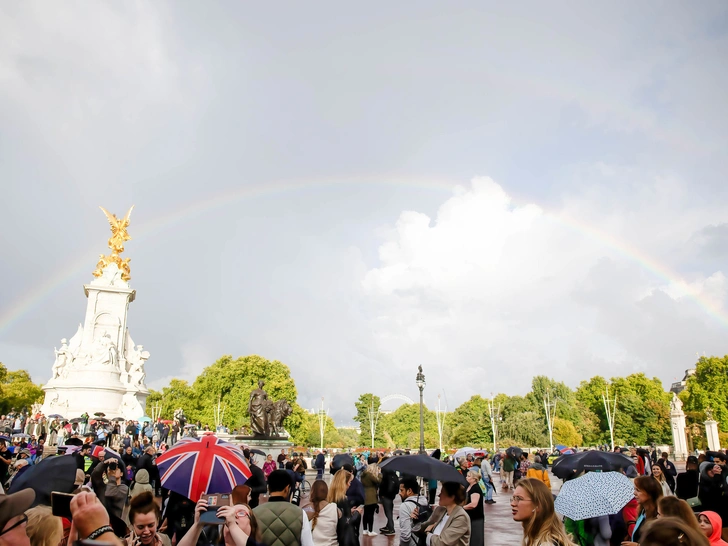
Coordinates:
(20, 522)
(243, 514)
(516, 499)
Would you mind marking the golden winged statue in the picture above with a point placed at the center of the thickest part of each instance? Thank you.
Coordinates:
(118, 237)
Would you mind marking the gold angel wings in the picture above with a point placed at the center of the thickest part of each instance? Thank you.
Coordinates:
(119, 236)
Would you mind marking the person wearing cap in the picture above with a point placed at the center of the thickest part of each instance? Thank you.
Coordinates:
(80, 456)
(13, 519)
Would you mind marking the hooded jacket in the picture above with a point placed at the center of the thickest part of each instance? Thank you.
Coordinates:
(539, 472)
(711, 489)
(717, 524)
(141, 484)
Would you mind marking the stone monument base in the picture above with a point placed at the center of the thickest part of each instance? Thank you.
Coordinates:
(270, 445)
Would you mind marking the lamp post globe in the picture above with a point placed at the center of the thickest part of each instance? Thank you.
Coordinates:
(420, 380)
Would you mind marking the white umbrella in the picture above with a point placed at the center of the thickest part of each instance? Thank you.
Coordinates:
(594, 494)
(464, 452)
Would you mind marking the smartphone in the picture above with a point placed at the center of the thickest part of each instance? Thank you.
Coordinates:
(214, 502)
(61, 504)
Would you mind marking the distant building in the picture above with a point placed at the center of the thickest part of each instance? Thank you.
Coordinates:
(679, 386)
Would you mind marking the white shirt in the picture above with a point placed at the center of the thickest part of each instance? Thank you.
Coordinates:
(306, 538)
(324, 534)
(438, 529)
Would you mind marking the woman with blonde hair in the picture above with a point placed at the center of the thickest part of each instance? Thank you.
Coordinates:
(370, 479)
(337, 495)
(672, 507)
(533, 505)
(43, 528)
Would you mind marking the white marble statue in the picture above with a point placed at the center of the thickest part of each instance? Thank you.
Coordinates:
(130, 406)
(105, 352)
(676, 404)
(63, 358)
(136, 356)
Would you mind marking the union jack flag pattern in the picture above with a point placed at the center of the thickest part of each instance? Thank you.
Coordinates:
(197, 466)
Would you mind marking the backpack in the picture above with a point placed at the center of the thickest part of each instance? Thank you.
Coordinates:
(423, 512)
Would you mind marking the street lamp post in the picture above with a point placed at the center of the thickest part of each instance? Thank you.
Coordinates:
(323, 416)
(421, 385)
(495, 417)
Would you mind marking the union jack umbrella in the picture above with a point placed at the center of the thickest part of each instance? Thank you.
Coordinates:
(195, 466)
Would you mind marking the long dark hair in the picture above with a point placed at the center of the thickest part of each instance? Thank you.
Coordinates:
(652, 487)
(319, 492)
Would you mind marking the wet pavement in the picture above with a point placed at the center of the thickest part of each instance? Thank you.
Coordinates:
(500, 529)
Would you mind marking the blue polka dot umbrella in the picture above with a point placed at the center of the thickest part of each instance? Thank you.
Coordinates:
(594, 494)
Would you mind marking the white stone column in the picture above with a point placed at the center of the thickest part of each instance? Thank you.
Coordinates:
(711, 431)
(679, 440)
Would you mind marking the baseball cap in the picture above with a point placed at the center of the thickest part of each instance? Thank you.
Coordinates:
(14, 505)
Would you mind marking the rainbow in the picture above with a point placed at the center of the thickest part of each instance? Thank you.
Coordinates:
(85, 261)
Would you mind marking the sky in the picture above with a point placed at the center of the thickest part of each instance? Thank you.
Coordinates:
(490, 191)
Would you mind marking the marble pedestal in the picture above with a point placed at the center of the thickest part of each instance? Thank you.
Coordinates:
(711, 431)
(679, 439)
(268, 445)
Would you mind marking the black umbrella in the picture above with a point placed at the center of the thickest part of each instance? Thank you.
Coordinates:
(398, 452)
(118, 419)
(56, 473)
(258, 452)
(55, 416)
(76, 420)
(423, 466)
(514, 452)
(605, 461)
(340, 460)
(74, 442)
(100, 414)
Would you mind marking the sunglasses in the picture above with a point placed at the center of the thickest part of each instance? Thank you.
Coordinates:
(20, 522)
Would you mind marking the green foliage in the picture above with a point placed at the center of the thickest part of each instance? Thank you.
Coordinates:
(401, 428)
(565, 433)
(229, 382)
(349, 437)
(17, 390)
(470, 423)
(708, 388)
(527, 429)
(366, 404)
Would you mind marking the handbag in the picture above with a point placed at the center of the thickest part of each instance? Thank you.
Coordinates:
(346, 532)
(695, 501)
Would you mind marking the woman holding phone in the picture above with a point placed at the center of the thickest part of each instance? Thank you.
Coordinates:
(239, 528)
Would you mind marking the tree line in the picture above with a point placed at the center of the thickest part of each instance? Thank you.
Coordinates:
(642, 416)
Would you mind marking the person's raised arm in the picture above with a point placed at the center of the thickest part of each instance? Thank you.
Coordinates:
(90, 519)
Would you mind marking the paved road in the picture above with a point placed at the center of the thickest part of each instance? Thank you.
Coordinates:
(500, 529)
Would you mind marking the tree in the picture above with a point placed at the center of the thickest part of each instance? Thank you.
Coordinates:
(230, 382)
(565, 433)
(403, 427)
(17, 390)
(708, 388)
(526, 428)
(470, 423)
(367, 403)
(178, 394)
(349, 437)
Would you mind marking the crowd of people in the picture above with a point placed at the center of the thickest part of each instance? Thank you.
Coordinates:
(119, 498)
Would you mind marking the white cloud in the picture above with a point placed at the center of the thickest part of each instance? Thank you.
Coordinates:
(492, 292)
